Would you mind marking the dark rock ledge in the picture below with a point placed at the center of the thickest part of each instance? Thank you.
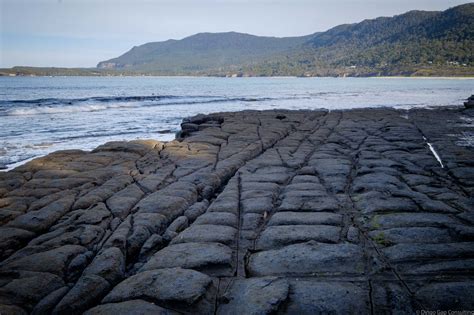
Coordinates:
(295, 212)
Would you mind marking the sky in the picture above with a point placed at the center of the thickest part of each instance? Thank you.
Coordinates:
(80, 33)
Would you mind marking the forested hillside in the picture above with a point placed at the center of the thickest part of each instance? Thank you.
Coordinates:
(417, 43)
(414, 43)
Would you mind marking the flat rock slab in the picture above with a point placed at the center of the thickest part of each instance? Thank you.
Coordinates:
(305, 218)
(133, 307)
(255, 296)
(252, 212)
(313, 297)
(282, 235)
(213, 258)
(172, 286)
(207, 233)
(309, 258)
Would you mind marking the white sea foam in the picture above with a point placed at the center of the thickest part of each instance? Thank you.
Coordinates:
(94, 106)
(29, 111)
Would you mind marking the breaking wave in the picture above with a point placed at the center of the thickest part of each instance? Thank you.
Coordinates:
(92, 104)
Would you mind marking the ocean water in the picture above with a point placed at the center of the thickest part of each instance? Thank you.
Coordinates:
(39, 115)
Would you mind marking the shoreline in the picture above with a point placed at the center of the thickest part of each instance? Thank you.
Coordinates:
(9, 167)
(425, 78)
(471, 77)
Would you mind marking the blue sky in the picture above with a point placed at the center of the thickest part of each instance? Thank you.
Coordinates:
(80, 33)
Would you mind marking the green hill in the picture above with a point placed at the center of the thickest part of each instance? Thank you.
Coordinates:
(203, 52)
(414, 43)
(417, 43)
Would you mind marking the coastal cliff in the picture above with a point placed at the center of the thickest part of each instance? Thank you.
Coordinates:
(249, 212)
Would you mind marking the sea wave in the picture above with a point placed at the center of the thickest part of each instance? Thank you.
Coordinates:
(42, 110)
(92, 104)
(104, 99)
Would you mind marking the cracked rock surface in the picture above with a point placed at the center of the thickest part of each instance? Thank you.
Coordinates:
(253, 212)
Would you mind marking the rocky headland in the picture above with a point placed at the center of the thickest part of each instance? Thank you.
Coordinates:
(290, 212)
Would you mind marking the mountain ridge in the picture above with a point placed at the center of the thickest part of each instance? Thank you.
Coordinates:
(202, 51)
(408, 43)
(415, 43)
